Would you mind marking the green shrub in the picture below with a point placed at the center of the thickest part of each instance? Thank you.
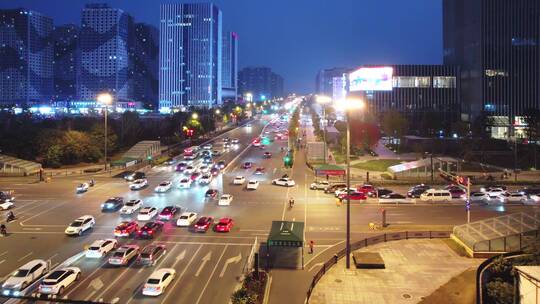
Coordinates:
(243, 296)
(500, 292)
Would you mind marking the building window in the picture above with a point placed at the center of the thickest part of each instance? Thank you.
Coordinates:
(444, 82)
(496, 73)
(411, 82)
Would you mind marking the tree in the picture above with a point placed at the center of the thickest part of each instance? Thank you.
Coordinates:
(53, 156)
(532, 119)
(500, 292)
(130, 128)
(481, 126)
(75, 145)
(394, 124)
(97, 138)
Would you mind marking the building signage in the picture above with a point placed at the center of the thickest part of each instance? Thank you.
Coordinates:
(371, 79)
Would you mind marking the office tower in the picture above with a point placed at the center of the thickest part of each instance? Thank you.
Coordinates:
(66, 56)
(143, 64)
(261, 82)
(324, 82)
(190, 56)
(229, 72)
(26, 57)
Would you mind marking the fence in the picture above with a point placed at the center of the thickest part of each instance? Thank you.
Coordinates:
(372, 241)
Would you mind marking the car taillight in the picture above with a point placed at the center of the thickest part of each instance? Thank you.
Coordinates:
(150, 231)
(139, 231)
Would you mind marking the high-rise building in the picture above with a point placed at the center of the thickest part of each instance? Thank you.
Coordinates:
(261, 82)
(229, 71)
(66, 56)
(324, 82)
(104, 54)
(497, 45)
(190, 55)
(26, 57)
(143, 63)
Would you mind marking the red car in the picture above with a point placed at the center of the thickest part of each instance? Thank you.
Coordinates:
(203, 224)
(259, 170)
(355, 196)
(150, 229)
(224, 225)
(458, 193)
(167, 213)
(195, 176)
(126, 229)
(367, 189)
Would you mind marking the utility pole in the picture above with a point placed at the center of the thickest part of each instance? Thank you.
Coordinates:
(348, 242)
(468, 200)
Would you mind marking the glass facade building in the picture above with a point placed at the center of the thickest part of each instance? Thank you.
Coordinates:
(496, 44)
(229, 71)
(190, 55)
(66, 57)
(261, 82)
(324, 82)
(26, 57)
(143, 63)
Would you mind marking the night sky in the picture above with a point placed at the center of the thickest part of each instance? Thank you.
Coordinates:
(298, 37)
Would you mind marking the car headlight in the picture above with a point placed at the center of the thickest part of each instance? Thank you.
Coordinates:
(5, 292)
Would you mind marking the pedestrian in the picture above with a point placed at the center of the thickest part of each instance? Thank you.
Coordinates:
(311, 244)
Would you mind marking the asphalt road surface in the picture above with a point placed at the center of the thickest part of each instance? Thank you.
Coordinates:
(209, 264)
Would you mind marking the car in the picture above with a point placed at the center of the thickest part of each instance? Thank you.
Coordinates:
(151, 254)
(225, 200)
(487, 188)
(123, 255)
(185, 183)
(226, 145)
(221, 164)
(186, 219)
(24, 276)
(224, 225)
(247, 165)
(207, 146)
(6, 204)
(158, 281)
(239, 180)
(366, 188)
(112, 204)
(83, 187)
(259, 171)
(195, 176)
(131, 206)
(436, 195)
(379, 192)
(181, 166)
(126, 229)
(80, 225)
(168, 213)
(458, 193)
(417, 190)
(332, 188)
(495, 191)
(393, 198)
(267, 155)
(341, 191)
(226, 139)
(208, 160)
(100, 248)
(138, 184)
(204, 169)
(354, 196)
(319, 185)
(206, 179)
(452, 186)
(7, 196)
(286, 182)
(216, 153)
(163, 187)
(497, 199)
(235, 141)
(189, 170)
(252, 185)
(203, 224)
(211, 193)
(150, 229)
(146, 213)
(57, 281)
(132, 176)
(517, 197)
(478, 197)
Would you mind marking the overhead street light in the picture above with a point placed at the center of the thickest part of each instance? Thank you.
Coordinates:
(195, 116)
(105, 99)
(323, 101)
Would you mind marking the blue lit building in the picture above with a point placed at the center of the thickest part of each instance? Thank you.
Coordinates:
(26, 57)
(229, 71)
(66, 56)
(143, 64)
(104, 55)
(190, 56)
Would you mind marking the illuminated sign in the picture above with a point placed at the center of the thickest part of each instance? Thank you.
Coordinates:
(371, 79)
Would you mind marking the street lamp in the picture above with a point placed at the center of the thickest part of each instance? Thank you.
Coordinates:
(348, 105)
(218, 111)
(105, 99)
(324, 100)
(195, 116)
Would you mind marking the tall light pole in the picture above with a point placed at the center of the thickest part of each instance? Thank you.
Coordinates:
(105, 99)
(323, 101)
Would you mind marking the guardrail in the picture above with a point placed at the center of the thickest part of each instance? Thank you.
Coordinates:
(386, 237)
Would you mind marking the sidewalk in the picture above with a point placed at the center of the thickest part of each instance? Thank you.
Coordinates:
(415, 268)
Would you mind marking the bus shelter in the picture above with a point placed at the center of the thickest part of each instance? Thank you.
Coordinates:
(285, 236)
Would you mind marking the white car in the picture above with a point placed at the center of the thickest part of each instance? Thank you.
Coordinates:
(101, 248)
(495, 191)
(496, 199)
(83, 187)
(24, 276)
(239, 180)
(235, 141)
(186, 219)
(138, 184)
(80, 225)
(205, 179)
(146, 213)
(189, 169)
(204, 169)
(517, 197)
(252, 185)
(163, 187)
(57, 281)
(5, 205)
(225, 200)
(158, 281)
(479, 197)
(207, 147)
(341, 191)
(319, 185)
(131, 206)
(286, 182)
(185, 183)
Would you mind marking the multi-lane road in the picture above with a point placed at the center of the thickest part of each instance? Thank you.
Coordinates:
(207, 265)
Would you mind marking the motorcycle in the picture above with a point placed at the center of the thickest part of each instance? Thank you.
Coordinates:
(92, 183)
(10, 217)
(3, 230)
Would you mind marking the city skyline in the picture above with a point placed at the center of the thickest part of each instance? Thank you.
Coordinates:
(302, 48)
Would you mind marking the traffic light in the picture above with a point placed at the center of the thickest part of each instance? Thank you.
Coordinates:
(189, 132)
(265, 141)
(288, 161)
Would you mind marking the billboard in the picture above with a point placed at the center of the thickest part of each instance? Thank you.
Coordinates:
(371, 79)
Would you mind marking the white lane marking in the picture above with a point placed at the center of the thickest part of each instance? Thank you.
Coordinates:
(211, 275)
(182, 274)
(315, 265)
(322, 251)
(3, 253)
(32, 229)
(40, 213)
(180, 257)
(205, 260)
(2, 261)
(234, 260)
(112, 283)
(52, 256)
(25, 256)
(88, 277)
